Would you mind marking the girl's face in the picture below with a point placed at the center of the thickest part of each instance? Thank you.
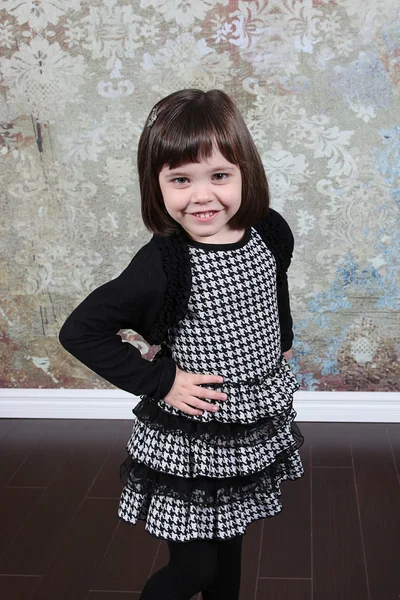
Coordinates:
(213, 185)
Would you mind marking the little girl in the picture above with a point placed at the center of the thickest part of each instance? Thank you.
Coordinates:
(214, 435)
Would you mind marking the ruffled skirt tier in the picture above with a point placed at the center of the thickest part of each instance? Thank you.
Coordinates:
(206, 476)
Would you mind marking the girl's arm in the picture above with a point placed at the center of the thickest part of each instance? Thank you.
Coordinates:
(131, 301)
(286, 240)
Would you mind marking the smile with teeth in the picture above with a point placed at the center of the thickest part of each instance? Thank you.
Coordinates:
(205, 215)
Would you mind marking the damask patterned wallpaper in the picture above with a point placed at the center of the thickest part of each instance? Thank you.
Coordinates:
(318, 82)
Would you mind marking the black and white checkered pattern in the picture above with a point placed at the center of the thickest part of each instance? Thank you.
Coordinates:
(231, 329)
(246, 400)
(179, 521)
(193, 457)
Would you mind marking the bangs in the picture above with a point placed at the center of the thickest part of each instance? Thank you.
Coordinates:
(192, 137)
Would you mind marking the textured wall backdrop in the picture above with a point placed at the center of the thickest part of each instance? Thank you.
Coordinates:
(318, 82)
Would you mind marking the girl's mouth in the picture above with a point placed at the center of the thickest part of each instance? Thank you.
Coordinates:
(205, 216)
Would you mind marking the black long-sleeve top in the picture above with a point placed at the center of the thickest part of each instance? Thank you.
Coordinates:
(134, 301)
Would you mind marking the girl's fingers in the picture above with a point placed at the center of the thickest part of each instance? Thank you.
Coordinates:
(189, 410)
(195, 406)
(198, 378)
(198, 392)
(191, 398)
(196, 402)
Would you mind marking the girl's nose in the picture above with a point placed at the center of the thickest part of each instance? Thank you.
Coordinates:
(201, 192)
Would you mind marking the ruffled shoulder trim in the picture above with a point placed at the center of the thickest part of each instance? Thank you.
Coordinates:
(176, 264)
(278, 236)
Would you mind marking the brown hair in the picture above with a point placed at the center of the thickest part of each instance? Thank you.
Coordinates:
(181, 129)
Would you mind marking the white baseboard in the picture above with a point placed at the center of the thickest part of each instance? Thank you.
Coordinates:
(350, 407)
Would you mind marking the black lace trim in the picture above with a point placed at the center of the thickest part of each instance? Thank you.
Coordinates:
(176, 264)
(141, 479)
(149, 412)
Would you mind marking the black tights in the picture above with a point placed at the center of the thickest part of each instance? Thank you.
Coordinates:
(212, 567)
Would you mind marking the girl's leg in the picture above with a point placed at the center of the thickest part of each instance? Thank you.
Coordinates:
(226, 585)
(191, 568)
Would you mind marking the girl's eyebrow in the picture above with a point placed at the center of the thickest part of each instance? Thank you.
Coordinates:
(180, 172)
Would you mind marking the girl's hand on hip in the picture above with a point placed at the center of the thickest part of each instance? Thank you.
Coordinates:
(185, 394)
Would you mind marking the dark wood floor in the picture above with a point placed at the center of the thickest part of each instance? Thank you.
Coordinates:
(337, 538)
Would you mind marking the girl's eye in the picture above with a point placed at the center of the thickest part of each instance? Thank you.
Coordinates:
(221, 176)
(216, 176)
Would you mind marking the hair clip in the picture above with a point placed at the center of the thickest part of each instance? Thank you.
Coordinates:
(152, 117)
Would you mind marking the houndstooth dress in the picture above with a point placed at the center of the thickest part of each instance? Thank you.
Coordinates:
(210, 476)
